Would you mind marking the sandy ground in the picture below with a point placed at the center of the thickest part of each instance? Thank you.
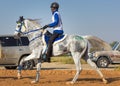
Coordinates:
(59, 78)
(56, 74)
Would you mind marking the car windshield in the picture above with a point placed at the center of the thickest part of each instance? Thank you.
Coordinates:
(116, 46)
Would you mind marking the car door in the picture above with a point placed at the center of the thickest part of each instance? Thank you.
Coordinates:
(23, 42)
(2, 59)
(115, 56)
(10, 52)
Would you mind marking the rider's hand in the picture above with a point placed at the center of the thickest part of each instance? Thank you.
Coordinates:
(46, 26)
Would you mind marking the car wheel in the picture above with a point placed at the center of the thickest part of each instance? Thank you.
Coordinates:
(27, 64)
(10, 67)
(103, 62)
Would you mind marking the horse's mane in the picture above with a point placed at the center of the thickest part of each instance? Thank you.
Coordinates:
(35, 22)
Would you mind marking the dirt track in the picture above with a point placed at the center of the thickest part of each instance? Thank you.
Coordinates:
(59, 78)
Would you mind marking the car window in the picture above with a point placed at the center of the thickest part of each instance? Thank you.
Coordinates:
(23, 41)
(8, 41)
(11, 41)
(116, 46)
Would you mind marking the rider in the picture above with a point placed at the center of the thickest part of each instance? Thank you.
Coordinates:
(57, 28)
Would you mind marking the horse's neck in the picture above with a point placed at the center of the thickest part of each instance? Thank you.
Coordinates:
(30, 27)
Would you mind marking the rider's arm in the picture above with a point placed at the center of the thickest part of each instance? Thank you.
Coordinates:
(56, 20)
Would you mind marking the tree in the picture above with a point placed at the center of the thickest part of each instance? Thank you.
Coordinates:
(113, 43)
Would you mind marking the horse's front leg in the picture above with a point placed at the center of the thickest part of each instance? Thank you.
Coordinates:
(37, 72)
(38, 55)
(19, 76)
(20, 66)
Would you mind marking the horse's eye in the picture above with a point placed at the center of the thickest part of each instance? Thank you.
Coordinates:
(19, 25)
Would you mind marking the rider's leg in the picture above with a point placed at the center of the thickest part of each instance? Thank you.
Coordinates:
(50, 43)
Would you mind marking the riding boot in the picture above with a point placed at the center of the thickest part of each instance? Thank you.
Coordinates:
(50, 46)
(49, 54)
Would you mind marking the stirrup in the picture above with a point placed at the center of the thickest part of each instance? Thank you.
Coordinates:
(44, 58)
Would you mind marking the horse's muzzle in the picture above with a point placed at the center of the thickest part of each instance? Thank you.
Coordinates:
(17, 36)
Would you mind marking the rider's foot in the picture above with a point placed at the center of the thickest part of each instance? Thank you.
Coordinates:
(45, 58)
(48, 60)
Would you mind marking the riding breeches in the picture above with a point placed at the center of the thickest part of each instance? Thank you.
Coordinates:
(50, 44)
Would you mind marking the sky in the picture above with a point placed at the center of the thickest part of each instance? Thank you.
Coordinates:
(99, 18)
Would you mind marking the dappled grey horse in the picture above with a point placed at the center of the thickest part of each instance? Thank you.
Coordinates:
(74, 44)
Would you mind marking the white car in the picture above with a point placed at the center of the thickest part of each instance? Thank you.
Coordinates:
(103, 58)
(13, 50)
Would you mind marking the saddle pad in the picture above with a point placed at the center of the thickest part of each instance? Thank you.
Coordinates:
(46, 38)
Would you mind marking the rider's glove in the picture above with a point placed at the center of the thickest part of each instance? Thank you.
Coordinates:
(46, 26)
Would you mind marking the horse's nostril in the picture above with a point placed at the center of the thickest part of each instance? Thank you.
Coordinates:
(17, 36)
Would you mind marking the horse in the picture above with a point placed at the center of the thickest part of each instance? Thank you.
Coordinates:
(74, 44)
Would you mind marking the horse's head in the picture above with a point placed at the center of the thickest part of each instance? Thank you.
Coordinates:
(27, 26)
(20, 27)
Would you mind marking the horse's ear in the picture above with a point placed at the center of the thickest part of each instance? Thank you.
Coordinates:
(21, 18)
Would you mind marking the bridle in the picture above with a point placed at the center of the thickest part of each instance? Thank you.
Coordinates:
(28, 32)
(20, 26)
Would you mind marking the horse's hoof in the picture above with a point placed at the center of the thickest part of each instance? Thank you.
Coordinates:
(19, 76)
(34, 82)
(105, 81)
(68, 83)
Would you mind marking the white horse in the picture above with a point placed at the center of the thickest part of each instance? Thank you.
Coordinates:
(74, 44)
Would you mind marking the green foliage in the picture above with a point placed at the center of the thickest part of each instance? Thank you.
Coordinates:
(113, 43)
(117, 68)
(94, 49)
(65, 59)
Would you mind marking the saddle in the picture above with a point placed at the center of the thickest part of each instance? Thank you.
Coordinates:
(47, 36)
(45, 39)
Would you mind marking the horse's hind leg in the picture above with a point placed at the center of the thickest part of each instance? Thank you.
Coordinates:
(76, 58)
(93, 65)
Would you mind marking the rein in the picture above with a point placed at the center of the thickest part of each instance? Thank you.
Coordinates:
(35, 37)
(31, 31)
(28, 31)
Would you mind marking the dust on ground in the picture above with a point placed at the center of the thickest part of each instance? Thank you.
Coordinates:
(52, 75)
(59, 78)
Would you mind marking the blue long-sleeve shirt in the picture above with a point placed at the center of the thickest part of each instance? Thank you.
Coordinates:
(56, 23)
